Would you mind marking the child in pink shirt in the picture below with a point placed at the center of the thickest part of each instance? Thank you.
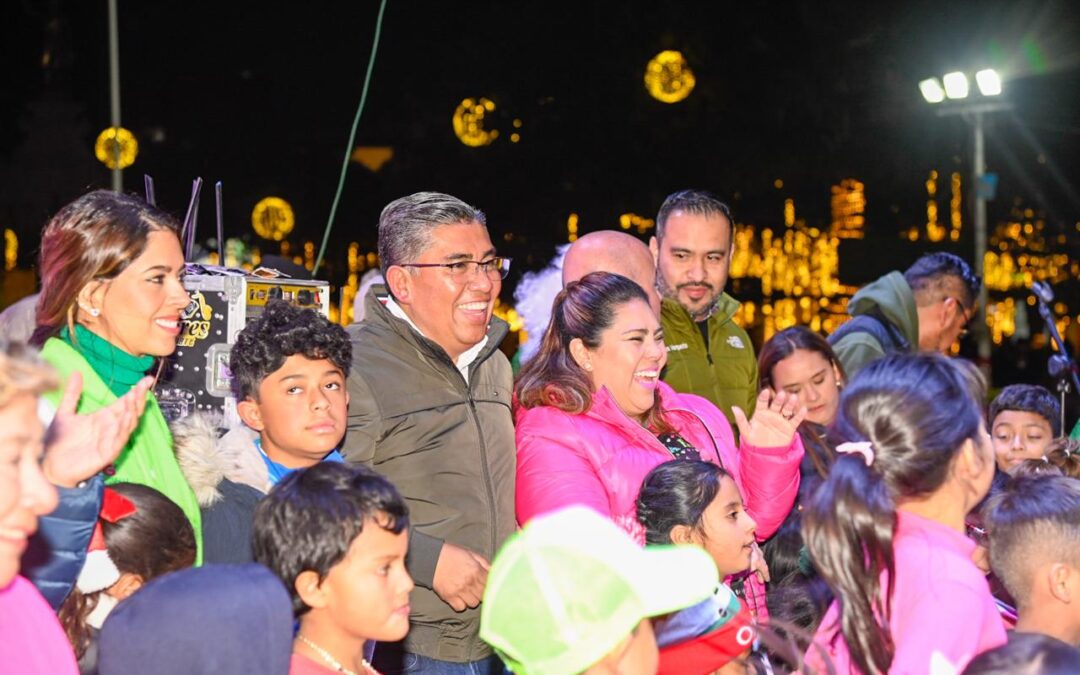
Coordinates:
(886, 529)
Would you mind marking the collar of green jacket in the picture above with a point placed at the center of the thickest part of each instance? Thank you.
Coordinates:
(891, 296)
(376, 312)
(726, 306)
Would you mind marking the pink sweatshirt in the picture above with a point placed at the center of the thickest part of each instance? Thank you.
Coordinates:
(941, 603)
(31, 639)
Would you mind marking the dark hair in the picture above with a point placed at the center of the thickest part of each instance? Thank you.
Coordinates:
(1027, 654)
(1028, 398)
(155, 540)
(1032, 519)
(1062, 456)
(676, 493)
(583, 310)
(406, 224)
(279, 332)
(697, 202)
(310, 518)
(930, 271)
(801, 603)
(916, 411)
(93, 238)
(779, 347)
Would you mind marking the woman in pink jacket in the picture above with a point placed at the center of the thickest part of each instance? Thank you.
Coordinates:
(594, 417)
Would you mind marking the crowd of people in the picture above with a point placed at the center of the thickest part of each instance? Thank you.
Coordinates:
(637, 493)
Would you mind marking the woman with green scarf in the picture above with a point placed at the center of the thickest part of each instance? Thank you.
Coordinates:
(112, 294)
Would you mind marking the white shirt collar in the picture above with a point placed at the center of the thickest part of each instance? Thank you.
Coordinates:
(467, 357)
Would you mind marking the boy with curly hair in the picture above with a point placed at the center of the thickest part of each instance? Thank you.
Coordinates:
(289, 367)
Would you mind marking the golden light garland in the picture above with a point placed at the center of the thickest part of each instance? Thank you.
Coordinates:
(668, 77)
(468, 122)
(273, 218)
(116, 147)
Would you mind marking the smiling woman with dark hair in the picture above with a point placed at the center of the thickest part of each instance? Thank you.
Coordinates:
(111, 296)
(594, 417)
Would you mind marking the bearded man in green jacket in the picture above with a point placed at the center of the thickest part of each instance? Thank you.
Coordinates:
(708, 353)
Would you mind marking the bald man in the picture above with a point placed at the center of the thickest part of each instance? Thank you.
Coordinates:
(615, 252)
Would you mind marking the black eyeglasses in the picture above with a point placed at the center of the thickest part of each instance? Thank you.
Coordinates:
(494, 268)
(968, 314)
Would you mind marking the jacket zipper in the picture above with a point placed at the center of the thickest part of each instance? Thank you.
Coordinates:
(716, 448)
(656, 442)
(488, 485)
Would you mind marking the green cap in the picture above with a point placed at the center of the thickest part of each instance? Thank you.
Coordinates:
(564, 591)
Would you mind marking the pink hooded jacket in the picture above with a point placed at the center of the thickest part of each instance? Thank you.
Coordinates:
(599, 459)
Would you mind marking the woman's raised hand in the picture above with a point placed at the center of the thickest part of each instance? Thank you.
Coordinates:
(776, 418)
(79, 446)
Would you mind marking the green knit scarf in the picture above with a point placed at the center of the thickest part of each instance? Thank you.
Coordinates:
(116, 368)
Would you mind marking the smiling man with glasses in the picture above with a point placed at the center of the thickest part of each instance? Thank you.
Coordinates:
(927, 308)
(430, 410)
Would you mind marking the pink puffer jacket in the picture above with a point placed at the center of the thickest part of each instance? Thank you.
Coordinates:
(599, 459)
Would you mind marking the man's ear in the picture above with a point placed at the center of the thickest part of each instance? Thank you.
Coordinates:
(399, 281)
(250, 413)
(125, 586)
(654, 248)
(580, 353)
(309, 587)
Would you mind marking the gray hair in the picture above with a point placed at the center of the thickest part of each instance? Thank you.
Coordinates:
(405, 224)
(697, 202)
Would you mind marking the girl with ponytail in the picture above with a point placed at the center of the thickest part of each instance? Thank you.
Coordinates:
(886, 528)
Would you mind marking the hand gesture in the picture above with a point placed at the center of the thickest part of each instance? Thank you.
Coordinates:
(775, 420)
(79, 446)
(758, 565)
(460, 577)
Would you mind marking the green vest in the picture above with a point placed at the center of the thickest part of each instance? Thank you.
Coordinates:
(726, 373)
(148, 457)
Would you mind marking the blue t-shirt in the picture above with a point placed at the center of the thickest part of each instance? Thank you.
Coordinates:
(278, 471)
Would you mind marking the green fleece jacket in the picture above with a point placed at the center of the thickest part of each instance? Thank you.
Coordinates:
(148, 457)
(726, 372)
(891, 297)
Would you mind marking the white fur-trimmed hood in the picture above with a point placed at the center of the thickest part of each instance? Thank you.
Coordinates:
(206, 459)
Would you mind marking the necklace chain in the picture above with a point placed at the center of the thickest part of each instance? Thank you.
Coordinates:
(325, 655)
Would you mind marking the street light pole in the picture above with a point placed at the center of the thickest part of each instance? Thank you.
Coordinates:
(982, 334)
(114, 93)
(956, 89)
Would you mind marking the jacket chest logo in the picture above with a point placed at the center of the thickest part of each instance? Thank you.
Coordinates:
(735, 341)
(677, 348)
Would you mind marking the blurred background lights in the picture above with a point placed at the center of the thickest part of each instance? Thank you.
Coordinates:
(668, 77)
(116, 148)
(272, 218)
(989, 82)
(932, 91)
(956, 85)
(469, 122)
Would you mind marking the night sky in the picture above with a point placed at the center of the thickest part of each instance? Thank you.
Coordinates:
(262, 95)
